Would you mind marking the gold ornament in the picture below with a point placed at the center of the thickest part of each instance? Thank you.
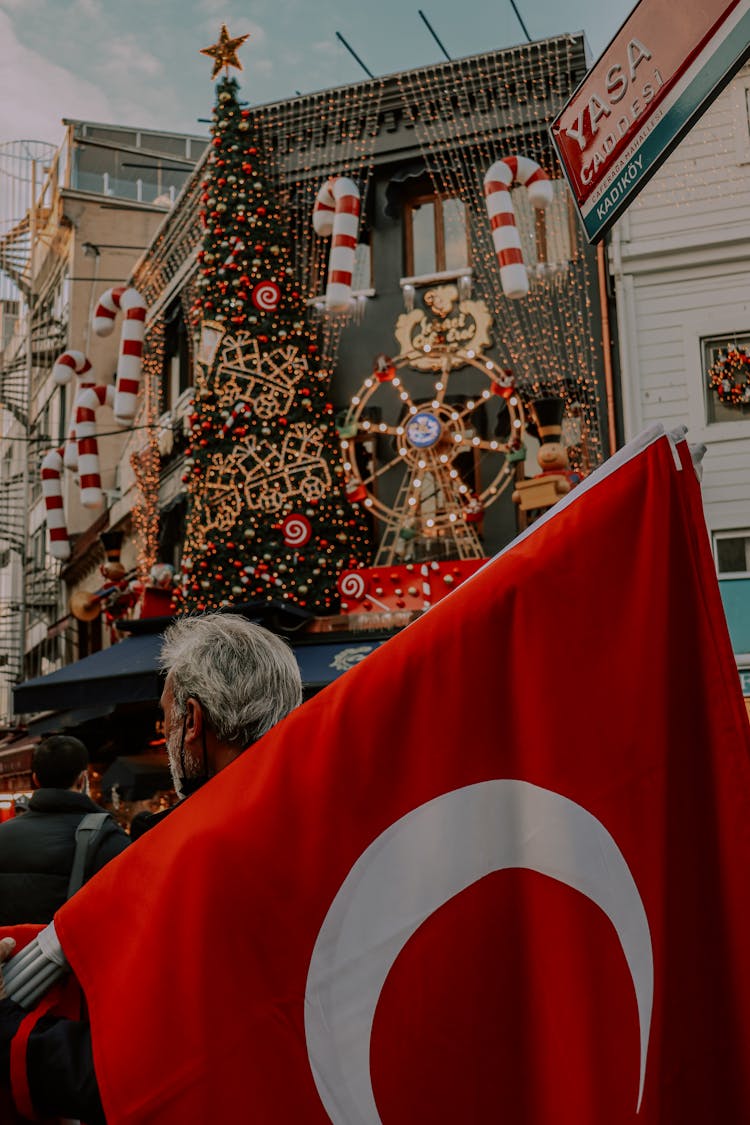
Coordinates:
(224, 53)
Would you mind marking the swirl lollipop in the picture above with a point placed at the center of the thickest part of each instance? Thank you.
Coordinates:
(296, 530)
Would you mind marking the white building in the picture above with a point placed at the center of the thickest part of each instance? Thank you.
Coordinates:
(680, 266)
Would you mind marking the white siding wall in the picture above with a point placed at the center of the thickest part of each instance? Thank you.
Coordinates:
(680, 262)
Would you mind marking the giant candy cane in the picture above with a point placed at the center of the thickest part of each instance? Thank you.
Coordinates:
(88, 450)
(131, 304)
(65, 366)
(497, 184)
(52, 469)
(336, 213)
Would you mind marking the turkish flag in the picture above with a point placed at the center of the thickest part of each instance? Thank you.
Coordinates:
(496, 872)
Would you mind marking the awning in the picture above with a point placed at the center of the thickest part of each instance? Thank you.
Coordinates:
(319, 664)
(137, 778)
(128, 672)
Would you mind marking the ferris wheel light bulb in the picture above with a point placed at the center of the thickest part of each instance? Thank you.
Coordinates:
(403, 451)
(355, 400)
(435, 404)
(475, 441)
(404, 396)
(443, 458)
(368, 382)
(382, 427)
(365, 425)
(438, 386)
(396, 381)
(454, 416)
(471, 353)
(427, 348)
(485, 394)
(493, 445)
(456, 437)
(399, 429)
(470, 404)
(347, 466)
(368, 502)
(513, 401)
(412, 410)
(462, 488)
(453, 473)
(417, 484)
(422, 464)
(517, 423)
(412, 500)
(490, 365)
(452, 517)
(430, 523)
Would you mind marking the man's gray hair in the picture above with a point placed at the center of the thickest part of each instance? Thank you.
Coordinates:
(245, 678)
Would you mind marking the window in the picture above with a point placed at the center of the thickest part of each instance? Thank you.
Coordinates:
(176, 375)
(732, 553)
(716, 349)
(435, 234)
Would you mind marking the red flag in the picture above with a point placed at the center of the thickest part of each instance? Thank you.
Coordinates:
(497, 872)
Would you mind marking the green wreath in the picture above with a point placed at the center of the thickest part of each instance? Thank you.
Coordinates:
(729, 376)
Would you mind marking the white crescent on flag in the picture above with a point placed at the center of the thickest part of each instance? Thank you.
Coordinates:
(412, 869)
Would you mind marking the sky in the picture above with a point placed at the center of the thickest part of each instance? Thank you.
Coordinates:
(138, 63)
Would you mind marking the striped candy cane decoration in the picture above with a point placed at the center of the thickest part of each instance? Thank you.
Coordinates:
(52, 470)
(497, 184)
(336, 213)
(238, 410)
(65, 366)
(131, 304)
(88, 450)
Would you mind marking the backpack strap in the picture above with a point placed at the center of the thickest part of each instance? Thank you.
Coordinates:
(87, 833)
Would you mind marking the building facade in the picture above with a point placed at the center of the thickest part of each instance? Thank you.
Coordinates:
(679, 262)
(75, 221)
(422, 150)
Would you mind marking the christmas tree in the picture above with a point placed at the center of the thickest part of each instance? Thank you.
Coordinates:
(268, 518)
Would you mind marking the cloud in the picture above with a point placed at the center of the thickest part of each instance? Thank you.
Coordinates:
(125, 58)
(35, 94)
(90, 9)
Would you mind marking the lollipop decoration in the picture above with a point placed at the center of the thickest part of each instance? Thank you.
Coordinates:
(296, 530)
(497, 184)
(266, 296)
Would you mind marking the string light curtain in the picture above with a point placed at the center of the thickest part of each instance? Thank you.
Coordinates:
(466, 116)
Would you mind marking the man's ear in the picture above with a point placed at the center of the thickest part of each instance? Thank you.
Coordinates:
(194, 717)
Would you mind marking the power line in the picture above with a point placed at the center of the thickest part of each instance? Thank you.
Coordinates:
(433, 33)
(523, 25)
(354, 54)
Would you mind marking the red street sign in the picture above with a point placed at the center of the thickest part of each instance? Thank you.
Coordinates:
(658, 74)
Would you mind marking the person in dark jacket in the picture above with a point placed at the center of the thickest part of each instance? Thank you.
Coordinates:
(37, 849)
(228, 682)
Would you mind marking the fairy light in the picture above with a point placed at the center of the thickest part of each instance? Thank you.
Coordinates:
(458, 110)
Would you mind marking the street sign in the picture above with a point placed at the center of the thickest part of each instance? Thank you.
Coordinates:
(658, 75)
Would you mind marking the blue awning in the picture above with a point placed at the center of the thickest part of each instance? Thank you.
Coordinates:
(128, 672)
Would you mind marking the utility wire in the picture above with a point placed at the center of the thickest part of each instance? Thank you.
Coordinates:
(523, 25)
(354, 54)
(433, 33)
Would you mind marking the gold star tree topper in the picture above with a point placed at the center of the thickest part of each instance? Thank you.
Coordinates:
(224, 53)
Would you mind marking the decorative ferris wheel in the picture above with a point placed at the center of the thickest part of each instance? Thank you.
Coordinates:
(428, 451)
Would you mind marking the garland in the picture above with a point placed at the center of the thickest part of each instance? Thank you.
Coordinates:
(729, 376)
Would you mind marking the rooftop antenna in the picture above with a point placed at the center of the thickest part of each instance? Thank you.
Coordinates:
(354, 54)
(523, 25)
(433, 33)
